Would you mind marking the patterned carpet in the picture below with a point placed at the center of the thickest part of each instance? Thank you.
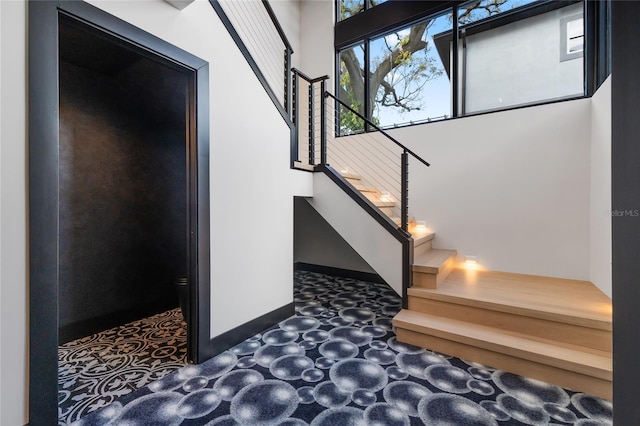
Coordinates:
(337, 362)
(95, 371)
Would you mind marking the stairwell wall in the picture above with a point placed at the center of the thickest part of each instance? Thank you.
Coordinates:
(601, 214)
(362, 232)
(318, 243)
(512, 187)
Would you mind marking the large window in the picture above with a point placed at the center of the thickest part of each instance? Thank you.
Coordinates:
(407, 79)
(523, 54)
(497, 54)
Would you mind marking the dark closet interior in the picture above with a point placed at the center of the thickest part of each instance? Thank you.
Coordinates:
(122, 180)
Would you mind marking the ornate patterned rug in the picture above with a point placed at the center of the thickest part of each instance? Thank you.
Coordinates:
(96, 370)
(337, 362)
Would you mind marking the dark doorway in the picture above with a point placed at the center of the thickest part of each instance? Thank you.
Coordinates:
(122, 183)
(118, 184)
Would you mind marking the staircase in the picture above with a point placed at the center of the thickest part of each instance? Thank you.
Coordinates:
(430, 266)
(550, 329)
(554, 330)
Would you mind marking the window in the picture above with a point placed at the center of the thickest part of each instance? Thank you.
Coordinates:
(349, 8)
(571, 37)
(505, 53)
(512, 58)
(351, 89)
(407, 79)
(406, 83)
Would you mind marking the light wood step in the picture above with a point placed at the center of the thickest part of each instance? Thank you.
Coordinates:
(554, 299)
(362, 188)
(350, 176)
(431, 267)
(422, 241)
(574, 367)
(560, 332)
(303, 166)
(377, 199)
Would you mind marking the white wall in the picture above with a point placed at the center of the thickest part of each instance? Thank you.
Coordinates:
(520, 63)
(367, 237)
(251, 183)
(317, 243)
(600, 213)
(288, 13)
(511, 187)
(13, 215)
(316, 54)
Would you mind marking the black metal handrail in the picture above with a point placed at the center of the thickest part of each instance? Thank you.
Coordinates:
(404, 161)
(288, 51)
(276, 23)
(379, 129)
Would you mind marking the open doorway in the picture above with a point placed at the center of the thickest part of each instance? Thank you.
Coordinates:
(118, 198)
(123, 233)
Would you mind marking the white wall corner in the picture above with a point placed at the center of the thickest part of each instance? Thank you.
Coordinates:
(179, 4)
(600, 190)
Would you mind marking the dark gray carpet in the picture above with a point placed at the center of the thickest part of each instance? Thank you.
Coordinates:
(337, 362)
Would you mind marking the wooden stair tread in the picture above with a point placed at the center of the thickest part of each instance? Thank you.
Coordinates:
(360, 187)
(420, 238)
(571, 301)
(585, 361)
(383, 204)
(432, 260)
(351, 176)
(303, 166)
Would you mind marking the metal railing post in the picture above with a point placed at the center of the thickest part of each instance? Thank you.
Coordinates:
(323, 125)
(312, 129)
(295, 117)
(287, 80)
(404, 191)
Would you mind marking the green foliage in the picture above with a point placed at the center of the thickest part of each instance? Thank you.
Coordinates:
(350, 7)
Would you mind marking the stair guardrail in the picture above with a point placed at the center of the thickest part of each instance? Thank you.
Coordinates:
(377, 157)
(265, 47)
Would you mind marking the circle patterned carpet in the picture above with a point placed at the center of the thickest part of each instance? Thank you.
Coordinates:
(337, 362)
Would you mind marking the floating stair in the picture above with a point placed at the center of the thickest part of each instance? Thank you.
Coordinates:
(431, 267)
(372, 194)
(554, 330)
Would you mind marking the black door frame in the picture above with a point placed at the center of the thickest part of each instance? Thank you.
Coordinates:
(44, 190)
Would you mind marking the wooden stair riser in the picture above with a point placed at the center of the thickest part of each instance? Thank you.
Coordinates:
(545, 329)
(550, 374)
(388, 210)
(554, 299)
(431, 280)
(422, 248)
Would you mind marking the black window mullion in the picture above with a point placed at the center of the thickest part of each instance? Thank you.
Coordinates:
(590, 46)
(367, 94)
(454, 65)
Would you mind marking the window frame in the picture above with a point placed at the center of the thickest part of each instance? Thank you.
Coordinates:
(395, 15)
